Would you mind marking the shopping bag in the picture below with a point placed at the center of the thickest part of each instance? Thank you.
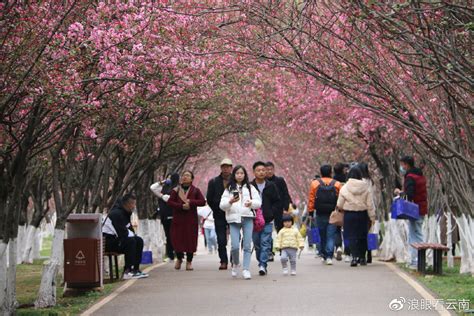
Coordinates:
(313, 236)
(372, 241)
(403, 209)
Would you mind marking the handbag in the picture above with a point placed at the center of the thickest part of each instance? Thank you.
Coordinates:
(372, 241)
(336, 218)
(259, 220)
(403, 209)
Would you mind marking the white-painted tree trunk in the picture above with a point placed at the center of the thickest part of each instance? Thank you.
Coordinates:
(395, 242)
(47, 291)
(37, 244)
(8, 278)
(21, 242)
(449, 239)
(466, 231)
(151, 231)
(28, 251)
(3, 273)
(144, 232)
(430, 234)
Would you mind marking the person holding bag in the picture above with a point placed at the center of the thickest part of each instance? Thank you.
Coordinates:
(184, 200)
(356, 200)
(240, 202)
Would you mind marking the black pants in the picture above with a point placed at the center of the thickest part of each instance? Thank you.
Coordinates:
(339, 239)
(356, 228)
(189, 256)
(131, 247)
(221, 232)
(166, 222)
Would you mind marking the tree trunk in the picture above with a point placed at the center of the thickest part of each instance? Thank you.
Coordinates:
(8, 278)
(449, 239)
(21, 242)
(3, 273)
(47, 291)
(29, 250)
(466, 231)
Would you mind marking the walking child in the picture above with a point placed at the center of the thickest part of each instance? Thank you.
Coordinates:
(289, 240)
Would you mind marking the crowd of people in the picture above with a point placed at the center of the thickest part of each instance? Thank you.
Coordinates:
(250, 211)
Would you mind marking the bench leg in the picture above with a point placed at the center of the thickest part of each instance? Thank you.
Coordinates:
(422, 261)
(116, 267)
(438, 261)
(111, 270)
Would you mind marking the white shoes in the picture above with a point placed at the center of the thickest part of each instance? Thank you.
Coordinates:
(235, 271)
(323, 260)
(293, 272)
(246, 274)
(329, 262)
(347, 259)
(339, 254)
(285, 271)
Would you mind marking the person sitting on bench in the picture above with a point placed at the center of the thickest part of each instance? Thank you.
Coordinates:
(121, 238)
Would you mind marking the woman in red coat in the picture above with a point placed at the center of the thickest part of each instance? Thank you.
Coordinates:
(184, 200)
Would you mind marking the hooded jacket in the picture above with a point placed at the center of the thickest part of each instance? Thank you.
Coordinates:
(120, 219)
(235, 211)
(355, 195)
(289, 238)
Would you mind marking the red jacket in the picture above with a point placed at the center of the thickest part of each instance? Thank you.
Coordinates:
(415, 188)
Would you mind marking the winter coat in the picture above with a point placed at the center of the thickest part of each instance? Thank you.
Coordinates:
(270, 201)
(282, 191)
(289, 238)
(235, 211)
(184, 228)
(355, 196)
(120, 219)
(215, 189)
(208, 219)
(415, 189)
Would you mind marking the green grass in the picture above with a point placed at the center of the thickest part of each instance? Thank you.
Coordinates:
(450, 285)
(28, 281)
(45, 251)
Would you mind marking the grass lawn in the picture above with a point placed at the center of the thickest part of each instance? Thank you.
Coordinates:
(45, 251)
(28, 280)
(450, 285)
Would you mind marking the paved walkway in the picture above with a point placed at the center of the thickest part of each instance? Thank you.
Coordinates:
(316, 290)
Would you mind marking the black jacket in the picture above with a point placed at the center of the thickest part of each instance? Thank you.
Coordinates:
(215, 189)
(271, 202)
(282, 191)
(120, 220)
(165, 210)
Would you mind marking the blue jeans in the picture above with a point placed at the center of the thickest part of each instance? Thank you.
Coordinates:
(327, 232)
(247, 229)
(211, 238)
(415, 234)
(262, 243)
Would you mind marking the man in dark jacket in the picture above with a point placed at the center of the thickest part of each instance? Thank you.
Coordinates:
(414, 187)
(120, 236)
(282, 191)
(215, 189)
(271, 204)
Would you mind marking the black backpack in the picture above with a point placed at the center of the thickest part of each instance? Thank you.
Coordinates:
(326, 197)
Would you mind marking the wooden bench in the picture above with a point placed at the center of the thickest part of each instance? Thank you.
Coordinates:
(111, 264)
(438, 250)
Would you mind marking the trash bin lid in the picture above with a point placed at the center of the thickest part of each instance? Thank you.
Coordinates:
(91, 218)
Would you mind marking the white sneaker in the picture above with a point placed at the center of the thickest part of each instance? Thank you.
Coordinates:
(323, 260)
(347, 259)
(128, 276)
(246, 274)
(235, 271)
(285, 271)
(339, 254)
(293, 272)
(329, 262)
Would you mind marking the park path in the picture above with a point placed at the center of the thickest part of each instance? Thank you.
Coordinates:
(316, 290)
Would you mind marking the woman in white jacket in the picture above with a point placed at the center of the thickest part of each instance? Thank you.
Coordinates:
(239, 201)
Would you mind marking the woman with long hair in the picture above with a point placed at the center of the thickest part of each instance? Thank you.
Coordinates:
(356, 201)
(239, 201)
(184, 200)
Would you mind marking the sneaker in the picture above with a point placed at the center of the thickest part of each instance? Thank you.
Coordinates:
(235, 271)
(246, 274)
(143, 274)
(329, 262)
(127, 276)
(139, 275)
(223, 266)
(285, 271)
(339, 254)
(347, 259)
(323, 260)
(262, 271)
(293, 272)
(271, 258)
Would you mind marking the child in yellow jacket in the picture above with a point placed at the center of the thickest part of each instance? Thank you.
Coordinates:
(288, 241)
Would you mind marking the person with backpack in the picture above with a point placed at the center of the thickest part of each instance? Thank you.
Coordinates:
(209, 230)
(323, 195)
(240, 202)
(162, 190)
